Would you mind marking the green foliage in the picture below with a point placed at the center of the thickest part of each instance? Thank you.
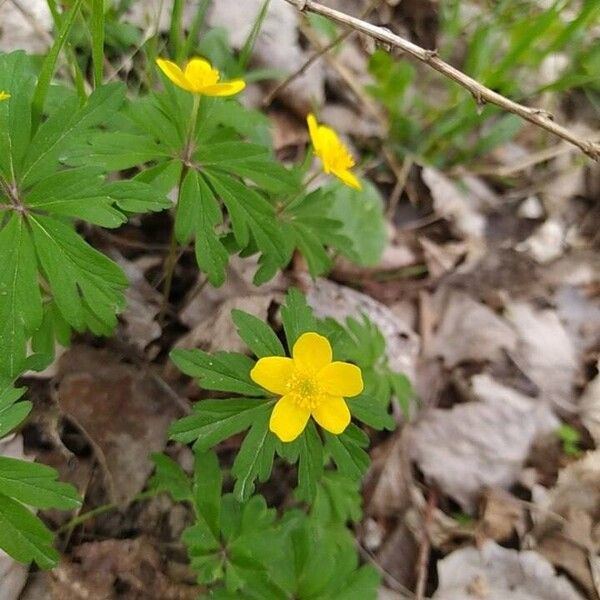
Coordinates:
(243, 550)
(215, 420)
(504, 49)
(22, 485)
(570, 439)
(51, 279)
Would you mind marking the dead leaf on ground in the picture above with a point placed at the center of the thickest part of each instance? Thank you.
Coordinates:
(545, 353)
(501, 516)
(589, 407)
(479, 444)
(117, 570)
(123, 412)
(496, 573)
(567, 529)
(25, 30)
(470, 331)
(329, 299)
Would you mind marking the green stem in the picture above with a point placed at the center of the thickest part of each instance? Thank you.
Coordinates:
(289, 201)
(104, 509)
(171, 260)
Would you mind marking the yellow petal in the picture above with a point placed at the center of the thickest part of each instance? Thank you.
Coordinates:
(174, 73)
(313, 129)
(341, 379)
(4, 95)
(348, 178)
(200, 74)
(273, 373)
(332, 414)
(228, 88)
(312, 351)
(288, 420)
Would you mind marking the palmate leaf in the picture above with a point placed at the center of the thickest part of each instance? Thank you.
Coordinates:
(51, 280)
(22, 535)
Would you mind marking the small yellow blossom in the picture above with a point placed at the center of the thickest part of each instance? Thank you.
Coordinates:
(309, 384)
(4, 95)
(200, 77)
(335, 157)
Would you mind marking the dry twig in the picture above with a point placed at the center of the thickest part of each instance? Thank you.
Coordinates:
(482, 94)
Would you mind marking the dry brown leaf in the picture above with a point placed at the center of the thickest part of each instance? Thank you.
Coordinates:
(123, 412)
(470, 331)
(501, 515)
(589, 407)
(117, 570)
(329, 299)
(545, 353)
(568, 522)
(496, 573)
(479, 444)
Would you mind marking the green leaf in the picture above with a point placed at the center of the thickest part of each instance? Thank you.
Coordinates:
(347, 451)
(259, 337)
(198, 213)
(223, 371)
(170, 477)
(403, 390)
(254, 459)
(363, 222)
(86, 285)
(362, 584)
(208, 482)
(250, 161)
(23, 536)
(297, 316)
(20, 299)
(310, 463)
(35, 484)
(216, 420)
(251, 215)
(63, 126)
(12, 412)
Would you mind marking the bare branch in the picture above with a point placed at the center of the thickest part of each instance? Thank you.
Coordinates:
(482, 94)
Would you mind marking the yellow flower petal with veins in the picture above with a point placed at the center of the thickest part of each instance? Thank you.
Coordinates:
(4, 95)
(199, 77)
(334, 155)
(310, 384)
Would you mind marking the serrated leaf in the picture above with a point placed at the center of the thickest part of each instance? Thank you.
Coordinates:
(217, 420)
(61, 128)
(251, 215)
(20, 299)
(207, 485)
(297, 316)
(310, 463)
(23, 536)
(222, 371)
(347, 451)
(259, 337)
(254, 459)
(198, 213)
(170, 477)
(86, 285)
(12, 412)
(35, 484)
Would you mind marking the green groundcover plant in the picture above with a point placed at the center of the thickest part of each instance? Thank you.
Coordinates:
(73, 160)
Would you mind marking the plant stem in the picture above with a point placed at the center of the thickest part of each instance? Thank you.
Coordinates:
(104, 509)
(171, 260)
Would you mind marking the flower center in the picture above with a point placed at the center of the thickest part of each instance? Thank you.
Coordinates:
(305, 389)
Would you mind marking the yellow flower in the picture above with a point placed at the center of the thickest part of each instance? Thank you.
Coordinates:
(199, 77)
(335, 157)
(4, 95)
(310, 384)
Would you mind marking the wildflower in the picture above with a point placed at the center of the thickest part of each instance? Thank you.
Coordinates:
(4, 95)
(199, 77)
(310, 384)
(334, 155)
